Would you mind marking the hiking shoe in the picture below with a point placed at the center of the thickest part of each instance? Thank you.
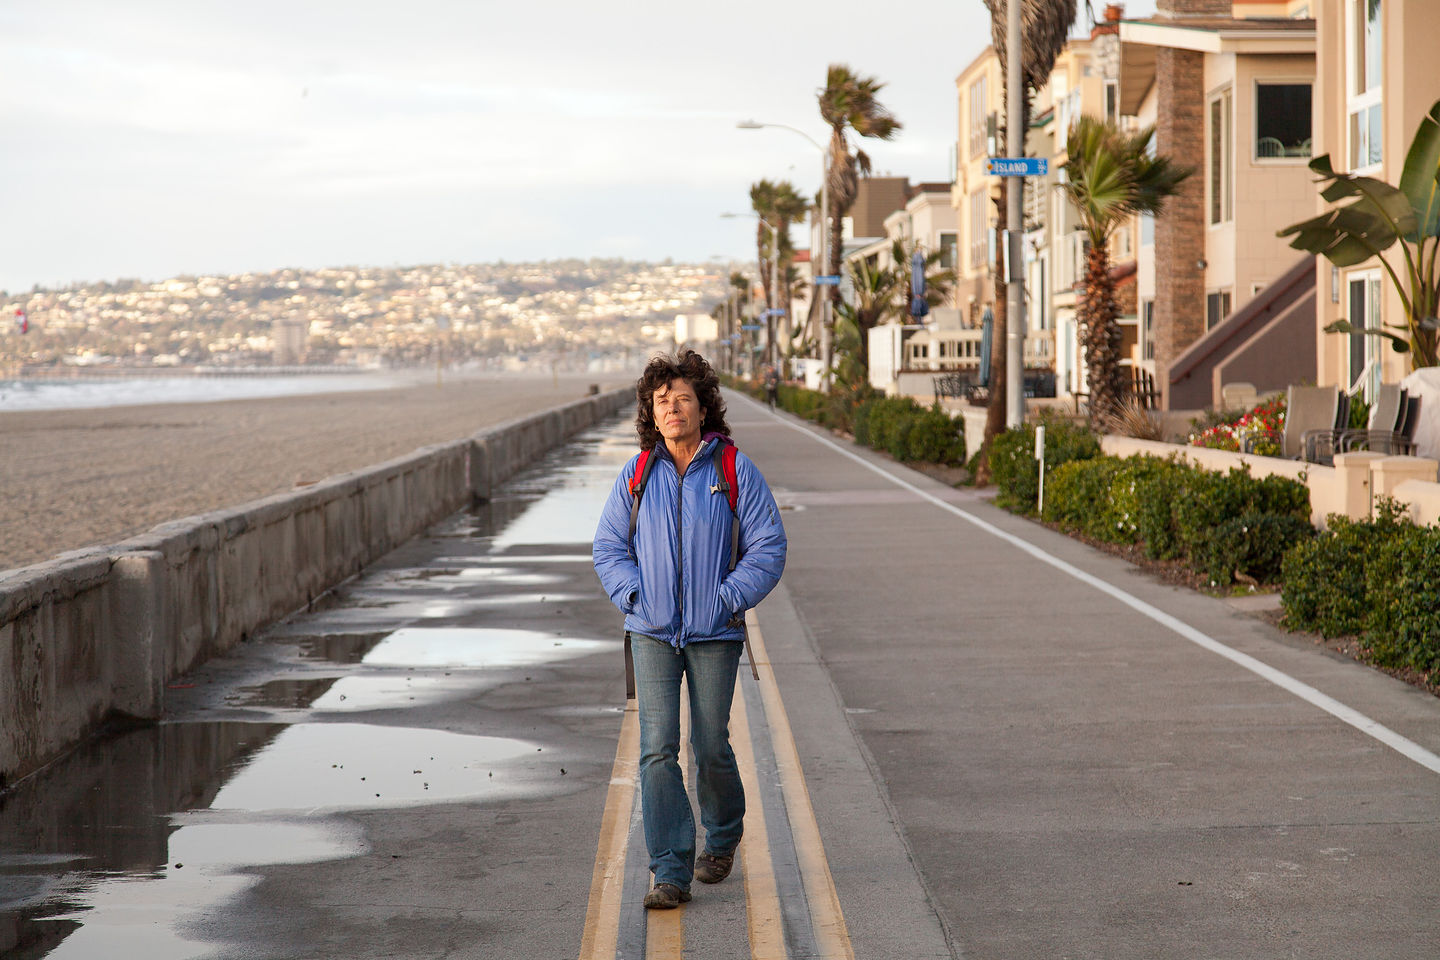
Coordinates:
(712, 869)
(666, 896)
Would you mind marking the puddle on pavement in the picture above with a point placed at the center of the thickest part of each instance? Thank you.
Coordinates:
(349, 694)
(477, 648)
(337, 647)
(283, 693)
(513, 557)
(113, 850)
(353, 766)
(470, 576)
(559, 502)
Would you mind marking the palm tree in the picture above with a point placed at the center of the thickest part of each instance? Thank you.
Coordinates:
(848, 102)
(875, 289)
(883, 293)
(777, 205)
(1110, 177)
(789, 206)
(1044, 27)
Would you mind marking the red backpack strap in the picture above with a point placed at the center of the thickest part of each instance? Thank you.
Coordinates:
(731, 484)
(727, 472)
(643, 465)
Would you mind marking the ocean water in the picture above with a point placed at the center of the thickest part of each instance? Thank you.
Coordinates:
(87, 392)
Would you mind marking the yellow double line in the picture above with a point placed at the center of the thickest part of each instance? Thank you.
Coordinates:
(665, 934)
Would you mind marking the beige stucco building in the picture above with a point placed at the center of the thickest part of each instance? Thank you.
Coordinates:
(980, 96)
(1229, 89)
(1377, 78)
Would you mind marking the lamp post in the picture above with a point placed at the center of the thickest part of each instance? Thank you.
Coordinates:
(825, 304)
(774, 280)
(1014, 224)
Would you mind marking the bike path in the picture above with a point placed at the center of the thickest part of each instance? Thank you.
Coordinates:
(1084, 762)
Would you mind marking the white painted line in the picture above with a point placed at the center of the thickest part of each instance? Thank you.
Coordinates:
(1373, 728)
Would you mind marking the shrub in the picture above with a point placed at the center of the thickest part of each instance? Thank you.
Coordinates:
(1325, 579)
(1402, 606)
(1012, 459)
(800, 401)
(936, 437)
(1142, 495)
(908, 432)
(1209, 498)
(1251, 545)
(1077, 496)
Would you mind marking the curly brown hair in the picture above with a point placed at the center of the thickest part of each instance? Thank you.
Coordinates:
(664, 370)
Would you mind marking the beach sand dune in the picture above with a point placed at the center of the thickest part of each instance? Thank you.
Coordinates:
(76, 478)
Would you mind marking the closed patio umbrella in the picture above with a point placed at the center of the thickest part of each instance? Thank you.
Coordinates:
(987, 333)
(919, 306)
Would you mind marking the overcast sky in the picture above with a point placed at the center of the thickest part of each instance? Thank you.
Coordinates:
(148, 138)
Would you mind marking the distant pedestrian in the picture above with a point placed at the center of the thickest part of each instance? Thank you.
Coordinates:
(684, 609)
(772, 385)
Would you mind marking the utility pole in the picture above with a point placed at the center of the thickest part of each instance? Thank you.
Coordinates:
(1014, 221)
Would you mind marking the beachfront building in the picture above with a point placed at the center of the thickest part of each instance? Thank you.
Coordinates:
(901, 346)
(1229, 88)
(980, 94)
(1083, 82)
(1376, 80)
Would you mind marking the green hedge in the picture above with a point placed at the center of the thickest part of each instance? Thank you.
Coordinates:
(1012, 459)
(1372, 578)
(1225, 526)
(897, 425)
(910, 432)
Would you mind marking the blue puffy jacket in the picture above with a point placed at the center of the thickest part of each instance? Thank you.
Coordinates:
(674, 585)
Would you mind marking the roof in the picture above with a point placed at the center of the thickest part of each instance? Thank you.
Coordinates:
(1140, 39)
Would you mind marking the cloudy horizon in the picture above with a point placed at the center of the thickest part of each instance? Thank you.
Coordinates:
(158, 138)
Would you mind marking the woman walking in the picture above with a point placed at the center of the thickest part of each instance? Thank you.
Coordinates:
(684, 606)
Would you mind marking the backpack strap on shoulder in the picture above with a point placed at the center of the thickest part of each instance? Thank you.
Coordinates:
(643, 465)
(732, 495)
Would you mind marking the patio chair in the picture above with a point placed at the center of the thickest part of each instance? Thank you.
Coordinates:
(1401, 440)
(1385, 413)
(1269, 147)
(1307, 408)
(1239, 395)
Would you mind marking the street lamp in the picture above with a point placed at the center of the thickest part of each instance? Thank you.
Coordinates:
(774, 279)
(825, 305)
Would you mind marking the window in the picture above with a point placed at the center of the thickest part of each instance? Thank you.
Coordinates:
(1217, 307)
(1221, 110)
(979, 114)
(1147, 328)
(1282, 120)
(1365, 52)
(1112, 101)
(948, 244)
(1364, 312)
(979, 228)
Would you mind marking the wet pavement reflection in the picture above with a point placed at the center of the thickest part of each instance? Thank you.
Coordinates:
(268, 756)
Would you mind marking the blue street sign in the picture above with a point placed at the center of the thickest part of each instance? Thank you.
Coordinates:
(827, 280)
(777, 312)
(1017, 166)
(752, 326)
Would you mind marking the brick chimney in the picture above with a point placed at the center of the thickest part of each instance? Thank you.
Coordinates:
(1180, 229)
(1192, 8)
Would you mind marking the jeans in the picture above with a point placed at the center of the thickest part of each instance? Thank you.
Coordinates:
(669, 825)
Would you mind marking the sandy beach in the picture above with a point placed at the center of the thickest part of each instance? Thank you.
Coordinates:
(75, 478)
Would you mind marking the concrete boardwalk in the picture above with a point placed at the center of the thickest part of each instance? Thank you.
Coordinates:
(970, 738)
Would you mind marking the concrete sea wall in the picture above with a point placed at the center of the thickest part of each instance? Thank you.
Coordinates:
(100, 631)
